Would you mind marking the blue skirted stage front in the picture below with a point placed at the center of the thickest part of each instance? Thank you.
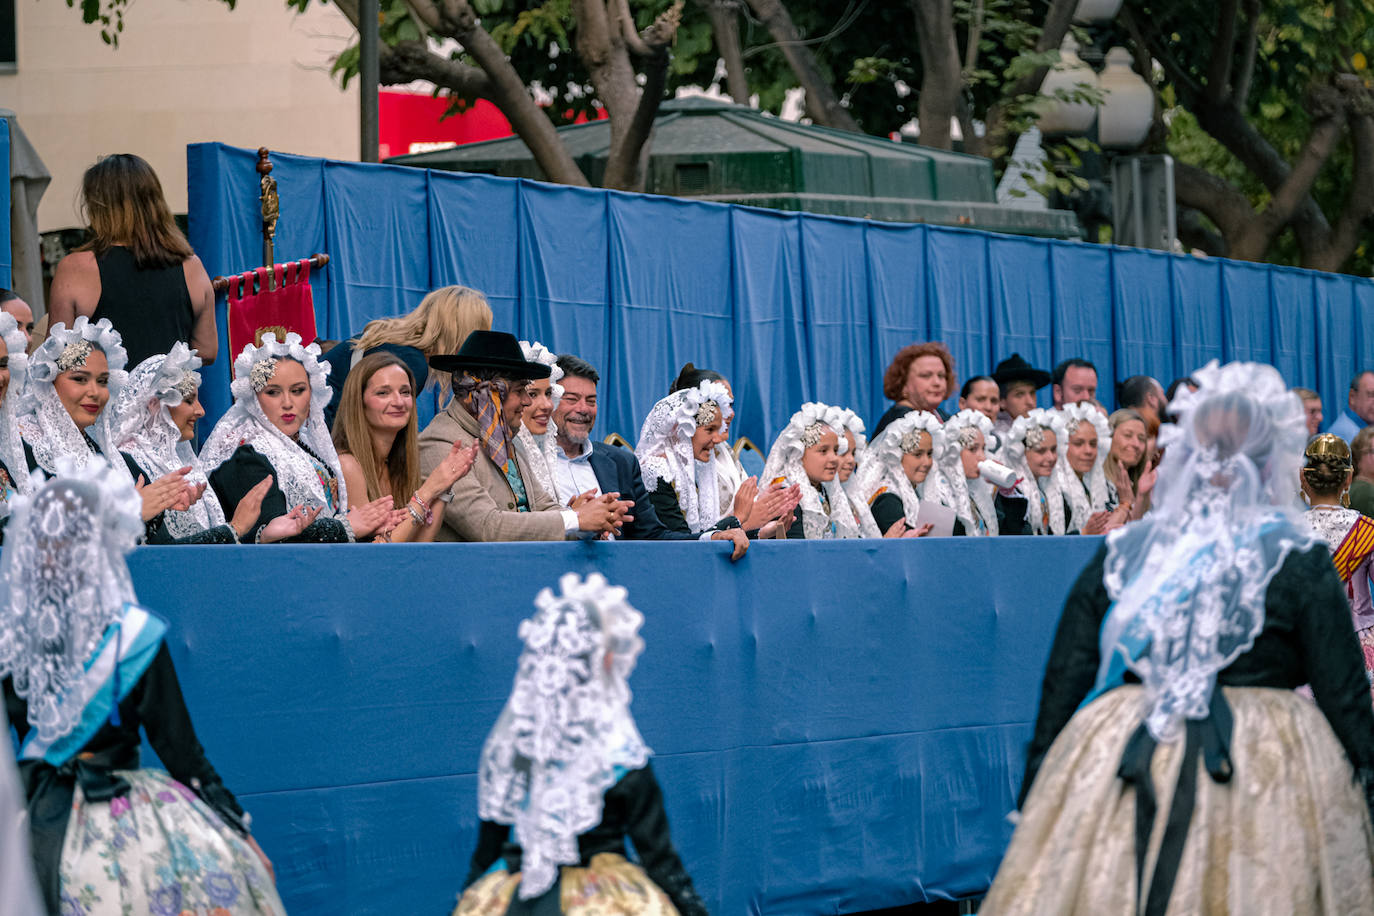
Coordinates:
(838, 726)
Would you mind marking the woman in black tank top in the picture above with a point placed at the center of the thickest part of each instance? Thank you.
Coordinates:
(138, 270)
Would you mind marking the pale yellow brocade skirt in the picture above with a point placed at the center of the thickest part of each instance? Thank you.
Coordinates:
(609, 886)
(1289, 834)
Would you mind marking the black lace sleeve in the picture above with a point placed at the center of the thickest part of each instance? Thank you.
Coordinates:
(491, 837)
(648, 829)
(167, 723)
(668, 509)
(1073, 663)
(244, 470)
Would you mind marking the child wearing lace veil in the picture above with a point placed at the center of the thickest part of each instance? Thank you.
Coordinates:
(853, 446)
(1080, 475)
(565, 775)
(86, 673)
(807, 453)
(1173, 767)
(1031, 446)
(980, 508)
(276, 429)
(892, 475)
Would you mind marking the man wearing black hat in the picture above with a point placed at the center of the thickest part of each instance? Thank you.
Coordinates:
(1017, 381)
(500, 499)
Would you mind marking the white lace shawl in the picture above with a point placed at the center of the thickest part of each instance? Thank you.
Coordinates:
(948, 485)
(11, 445)
(730, 476)
(246, 424)
(43, 422)
(1090, 494)
(849, 421)
(881, 467)
(64, 566)
(665, 452)
(1188, 581)
(785, 460)
(541, 452)
(150, 436)
(1049, 498)
(566, 728)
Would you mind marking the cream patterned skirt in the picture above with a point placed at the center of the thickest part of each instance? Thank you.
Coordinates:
(159, 850)
(610, 886)
(1289, 834)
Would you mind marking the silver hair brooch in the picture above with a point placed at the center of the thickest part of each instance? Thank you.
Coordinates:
(187, 386)
(812, 434)
(966, 437)
(74, 355)
(262, 373)
(707, 414)
(1034, 436)
(911, 440)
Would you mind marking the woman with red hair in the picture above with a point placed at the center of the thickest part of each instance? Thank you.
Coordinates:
(920, 377)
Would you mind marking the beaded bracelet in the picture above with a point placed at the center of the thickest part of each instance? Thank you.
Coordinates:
(423, 515)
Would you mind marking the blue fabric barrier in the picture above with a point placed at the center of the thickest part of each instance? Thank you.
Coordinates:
(6, 254)
(790, 307)
(838, 726)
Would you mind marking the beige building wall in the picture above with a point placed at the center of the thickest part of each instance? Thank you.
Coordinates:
(185, 71)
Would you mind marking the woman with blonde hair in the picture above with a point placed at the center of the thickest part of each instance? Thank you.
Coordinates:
(375, 436)
(436, 327)
(1128, 463)
(137, 270)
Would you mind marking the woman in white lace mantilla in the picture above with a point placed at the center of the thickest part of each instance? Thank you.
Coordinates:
(537, 435)
(1031, 446)
(853, 447)
(1173, 767)
(892, 476)
(1080, 477)
(86, 677)
(14, 368)
(981, 508)
(807, 454)
(276, 429)
(565, 775)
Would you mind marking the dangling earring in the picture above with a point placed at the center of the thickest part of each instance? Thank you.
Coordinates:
(1345, 497)
(1306, 501)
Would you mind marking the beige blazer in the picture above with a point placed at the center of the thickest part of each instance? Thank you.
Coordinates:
(483, 504)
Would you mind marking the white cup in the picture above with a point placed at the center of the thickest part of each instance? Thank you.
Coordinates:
(997, 474)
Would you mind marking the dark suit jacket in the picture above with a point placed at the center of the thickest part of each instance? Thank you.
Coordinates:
(617, 471)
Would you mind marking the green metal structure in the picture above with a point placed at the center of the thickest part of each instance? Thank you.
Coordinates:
(711, 150)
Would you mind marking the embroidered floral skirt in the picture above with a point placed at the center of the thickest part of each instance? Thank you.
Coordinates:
(1367, 646)
(159, 850)
(610, 886)
(1290, 833)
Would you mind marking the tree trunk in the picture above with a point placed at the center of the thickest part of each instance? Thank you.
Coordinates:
(942, 81)
(822, 104)
(725, 29)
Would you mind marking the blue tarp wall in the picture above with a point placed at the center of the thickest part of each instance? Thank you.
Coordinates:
(6, 253)
(790, 307)
(838, 726)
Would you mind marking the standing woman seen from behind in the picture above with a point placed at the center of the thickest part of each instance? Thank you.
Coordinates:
(565, 776)
(436, 327)
(1348, 534)
(86, 670)
(276, 428)
(137, 270)
(375, 436)
(1174, 769)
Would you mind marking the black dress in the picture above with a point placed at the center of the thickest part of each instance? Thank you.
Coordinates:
(1306, 639)
(896, 412)
(150, 307)
(669, 510)
(156, 705)
(632, 807)
(244, 470)
(156, 531)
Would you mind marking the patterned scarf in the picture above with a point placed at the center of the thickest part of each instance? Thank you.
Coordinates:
(481, 398)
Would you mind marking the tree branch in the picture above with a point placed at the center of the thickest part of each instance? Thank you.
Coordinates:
(1162, 52)
(725, 29)
(975, 36)
(1224, 204)
(822, 104)
(1223, 52)
(1195, 234)
(408, 61)
(1245, 71)
(942, 81)
(1359, 207)
(638, 46)
(624, 162)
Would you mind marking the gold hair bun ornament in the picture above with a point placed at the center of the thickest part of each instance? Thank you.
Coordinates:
(1328, 448)
(74, 355)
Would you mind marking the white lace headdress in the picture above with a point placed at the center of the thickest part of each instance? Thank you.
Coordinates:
(64, 566)
(11, 445)
(246, 424)
(847, 421)
(43, 422)
(881, 467)
(566, 728)
(151, 437)
(541, 454)
(665, 450)
(785, 460)
(1088, 495)
(1188, 581)
(947, 483)
(1028, 431)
